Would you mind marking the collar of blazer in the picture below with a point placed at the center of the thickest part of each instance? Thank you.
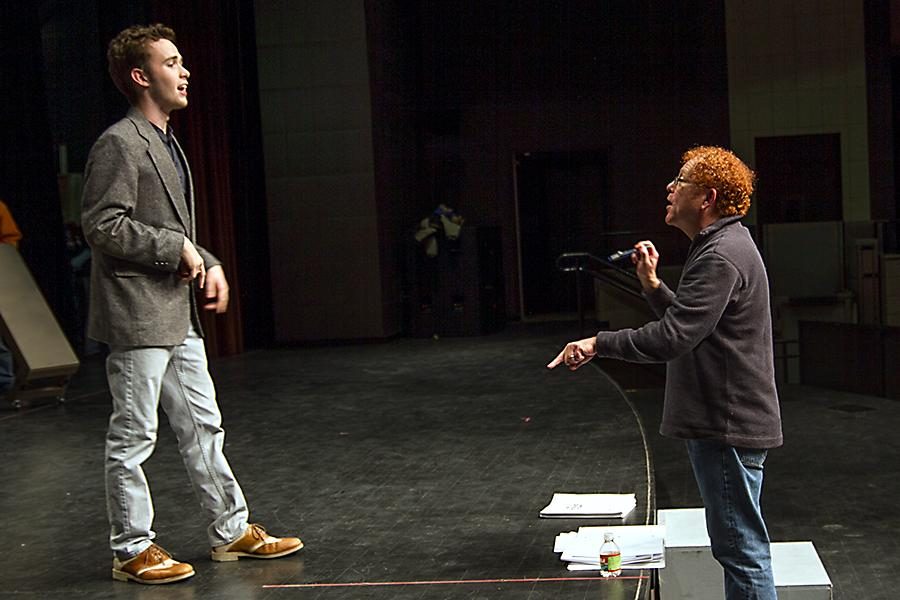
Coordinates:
(162, 161)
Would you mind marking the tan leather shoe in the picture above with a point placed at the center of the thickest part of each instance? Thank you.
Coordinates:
(154, 565)
(256, 543)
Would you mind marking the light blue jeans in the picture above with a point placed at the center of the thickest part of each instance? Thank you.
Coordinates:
(730, 481)
(176, 377)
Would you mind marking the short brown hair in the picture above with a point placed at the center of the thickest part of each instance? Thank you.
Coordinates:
(719, 168)
(128, 50)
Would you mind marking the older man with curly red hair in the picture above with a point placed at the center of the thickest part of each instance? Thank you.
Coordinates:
(715, 334)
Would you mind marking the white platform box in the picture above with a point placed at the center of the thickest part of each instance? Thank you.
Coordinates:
(692, 573)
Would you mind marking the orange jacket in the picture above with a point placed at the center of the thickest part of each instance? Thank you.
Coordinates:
(9, 232)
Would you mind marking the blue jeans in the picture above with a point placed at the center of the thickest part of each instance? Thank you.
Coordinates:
(175, 377)
(730, 481)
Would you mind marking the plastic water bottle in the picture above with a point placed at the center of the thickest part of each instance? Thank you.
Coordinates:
(610, 556)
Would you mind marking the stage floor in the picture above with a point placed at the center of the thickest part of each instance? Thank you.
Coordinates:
(411, 469)
(428, 460)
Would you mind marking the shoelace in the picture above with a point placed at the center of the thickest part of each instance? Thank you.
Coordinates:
(258, 532)
(157, 555)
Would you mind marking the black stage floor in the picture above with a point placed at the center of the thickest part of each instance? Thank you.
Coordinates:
(422, 465)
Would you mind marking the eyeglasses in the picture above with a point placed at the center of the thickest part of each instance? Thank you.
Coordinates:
(679, 179)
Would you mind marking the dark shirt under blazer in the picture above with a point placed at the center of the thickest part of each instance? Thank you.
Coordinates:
(135, 218)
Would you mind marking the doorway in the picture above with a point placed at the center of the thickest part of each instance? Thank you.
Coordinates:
(560, 200)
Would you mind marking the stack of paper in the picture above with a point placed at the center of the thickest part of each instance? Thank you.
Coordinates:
(642, 546)
(598, 506)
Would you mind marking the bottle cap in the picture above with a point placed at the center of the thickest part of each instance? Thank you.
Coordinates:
(608, 536)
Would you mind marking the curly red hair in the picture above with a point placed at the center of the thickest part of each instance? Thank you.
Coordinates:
(719, 168)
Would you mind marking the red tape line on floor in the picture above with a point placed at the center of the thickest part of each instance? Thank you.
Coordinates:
(448, 582)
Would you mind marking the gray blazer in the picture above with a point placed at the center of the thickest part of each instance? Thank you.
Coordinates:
(135, 218)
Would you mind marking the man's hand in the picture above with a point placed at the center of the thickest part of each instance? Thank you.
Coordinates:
(576, 354)
(645, 259)
(191, 265)
(216, 290)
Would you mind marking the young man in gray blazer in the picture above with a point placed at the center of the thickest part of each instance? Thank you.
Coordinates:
(138, 218)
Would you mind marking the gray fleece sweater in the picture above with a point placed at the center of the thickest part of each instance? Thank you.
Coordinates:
(715, 334)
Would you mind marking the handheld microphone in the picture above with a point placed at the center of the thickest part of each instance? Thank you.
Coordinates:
(620, 255)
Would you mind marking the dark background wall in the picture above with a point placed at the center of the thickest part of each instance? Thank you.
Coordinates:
(588, 104)
(394, 64)
(635, 82)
